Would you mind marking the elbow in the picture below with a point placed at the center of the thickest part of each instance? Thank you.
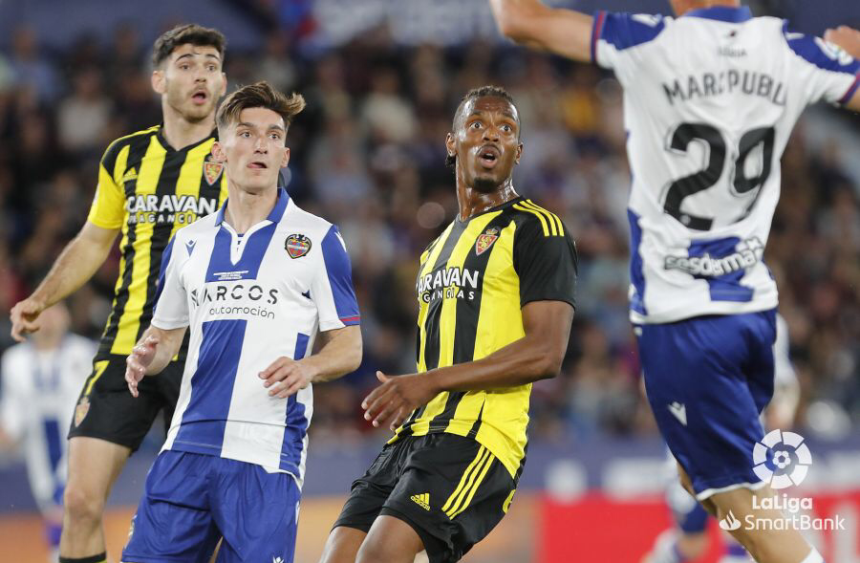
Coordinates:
(354, 358)
(548, 365)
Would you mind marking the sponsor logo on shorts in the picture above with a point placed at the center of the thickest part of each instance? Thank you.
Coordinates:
(422, 500)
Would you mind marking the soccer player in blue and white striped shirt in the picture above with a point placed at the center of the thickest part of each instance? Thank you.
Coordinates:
(256, 283)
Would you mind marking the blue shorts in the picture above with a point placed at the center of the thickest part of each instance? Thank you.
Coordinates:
(708, 379)
(192, 500)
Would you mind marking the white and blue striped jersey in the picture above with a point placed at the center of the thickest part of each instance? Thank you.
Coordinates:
(248, 300)
(710, 100)
(40, 389)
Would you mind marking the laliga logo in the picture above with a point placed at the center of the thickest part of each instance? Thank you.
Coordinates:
(791, 459)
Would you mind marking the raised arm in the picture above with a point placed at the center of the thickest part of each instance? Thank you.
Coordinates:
(537, 355)
(72, 269)
(533, 24)
(849, 39)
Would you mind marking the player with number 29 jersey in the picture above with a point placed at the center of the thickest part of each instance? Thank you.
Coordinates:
(705, 135)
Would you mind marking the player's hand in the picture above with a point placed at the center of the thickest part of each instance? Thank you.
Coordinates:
(137, 362)
(846, 37)
(24, 315)
(391, 402)
(285, 377)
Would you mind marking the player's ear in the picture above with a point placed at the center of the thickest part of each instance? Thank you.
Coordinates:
(158, 81)
(218, 152)
(450, 144)
(519, 153)
(223, 84)
(286, 159)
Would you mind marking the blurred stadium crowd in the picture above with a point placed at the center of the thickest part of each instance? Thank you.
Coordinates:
(368, 154)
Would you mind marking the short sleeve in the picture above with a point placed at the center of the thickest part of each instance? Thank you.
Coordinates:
(171, 300)
(332, 291)
(824, 71)
(614, 37)
(108, 207)
(545, 261)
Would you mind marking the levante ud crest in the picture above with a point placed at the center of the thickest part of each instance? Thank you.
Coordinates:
(486, 240)
(297, 245)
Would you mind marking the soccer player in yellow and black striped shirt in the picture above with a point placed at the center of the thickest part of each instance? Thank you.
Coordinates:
(495, 305)
(151, 183)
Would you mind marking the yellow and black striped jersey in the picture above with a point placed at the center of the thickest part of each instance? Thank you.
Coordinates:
(473, 282)
(150, 191)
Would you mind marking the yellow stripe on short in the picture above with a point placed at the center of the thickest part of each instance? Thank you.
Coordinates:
(474, 487)
(99, 369)
(463, 480)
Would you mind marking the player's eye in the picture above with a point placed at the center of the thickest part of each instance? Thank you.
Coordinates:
(245, 134)
(212, 68)
(507, 128)
(184, 67)
(476, 125)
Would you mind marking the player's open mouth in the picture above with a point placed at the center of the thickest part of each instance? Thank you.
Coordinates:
(488, 156)
(200, 97)
(258, 165)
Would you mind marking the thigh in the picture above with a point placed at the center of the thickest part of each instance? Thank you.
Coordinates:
(369, 492)
(257, 513)
(453, 492)
(174, 519)
(698, 381)
(106, 409)
(94, 466)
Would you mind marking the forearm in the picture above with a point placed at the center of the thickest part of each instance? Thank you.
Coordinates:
(340, 355)
(525, 361)
(535, 25)
(78, 262)
(169, 343)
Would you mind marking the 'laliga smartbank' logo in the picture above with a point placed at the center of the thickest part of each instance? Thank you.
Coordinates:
(789, 462)
(781, 460)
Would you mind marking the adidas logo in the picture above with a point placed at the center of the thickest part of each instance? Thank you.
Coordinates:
(422, 500)
(130, 175)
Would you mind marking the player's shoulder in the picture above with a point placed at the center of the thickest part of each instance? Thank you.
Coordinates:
(142, 136)
(627, 30)
(816, 51)
(201, 227)
(297, 218)
(535, 219)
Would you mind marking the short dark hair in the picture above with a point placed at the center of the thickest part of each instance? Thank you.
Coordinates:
(186, 34)
(488, 91)
(259, 95)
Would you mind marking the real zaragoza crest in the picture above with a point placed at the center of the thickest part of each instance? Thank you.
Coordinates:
(212, 170)
(297, 245)
(81, 410)
(486, 240)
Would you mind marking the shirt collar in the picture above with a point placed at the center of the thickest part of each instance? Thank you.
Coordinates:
(730, 14)
(275, 215)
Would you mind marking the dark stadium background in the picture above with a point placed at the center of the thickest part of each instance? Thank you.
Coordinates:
(382, 78)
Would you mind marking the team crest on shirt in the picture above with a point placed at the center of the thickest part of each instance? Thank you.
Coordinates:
(297, 245)
(212, 170)
(81, 410)
(486, 240)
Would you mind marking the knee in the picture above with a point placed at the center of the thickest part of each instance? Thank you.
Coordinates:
(374, 551)
(81, 505)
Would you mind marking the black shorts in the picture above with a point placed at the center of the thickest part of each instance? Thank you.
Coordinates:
(450, 489)
(107, 410)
